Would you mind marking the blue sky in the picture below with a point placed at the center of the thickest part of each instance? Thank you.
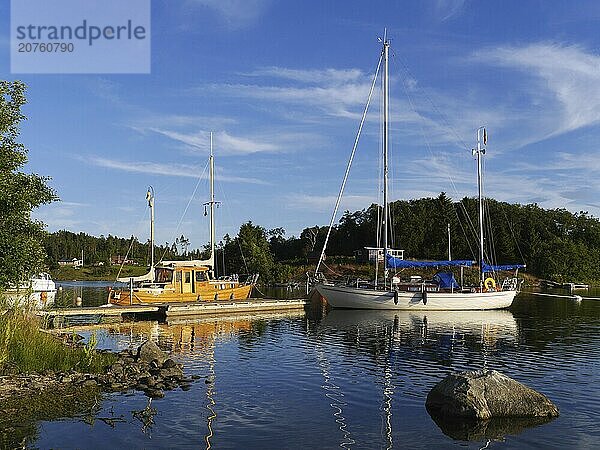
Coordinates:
(282, 86)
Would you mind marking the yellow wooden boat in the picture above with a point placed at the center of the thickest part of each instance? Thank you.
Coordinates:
(182, 281)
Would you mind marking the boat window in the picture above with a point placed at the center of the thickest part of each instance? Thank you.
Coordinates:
(178, 277)
(188, 277)
(201, 276)
(164, 275)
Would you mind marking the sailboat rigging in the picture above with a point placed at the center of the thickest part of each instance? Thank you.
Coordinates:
(183, 281)
(441, 293)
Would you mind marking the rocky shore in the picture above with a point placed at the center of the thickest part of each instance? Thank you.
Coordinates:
(147, 369)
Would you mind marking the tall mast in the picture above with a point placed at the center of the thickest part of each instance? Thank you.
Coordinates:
(481, 139)
(212, 201)
(449, 243)
(150, 198)
(386, 93)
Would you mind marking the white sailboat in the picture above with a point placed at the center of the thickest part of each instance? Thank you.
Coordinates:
(38, 292)
(442, 293)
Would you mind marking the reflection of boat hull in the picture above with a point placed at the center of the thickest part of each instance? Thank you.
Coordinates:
(465, 321)
(357, 298)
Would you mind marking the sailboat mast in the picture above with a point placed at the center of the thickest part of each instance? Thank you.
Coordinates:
(481, 137)
(150, 198)
(386, 94)
(212, 201)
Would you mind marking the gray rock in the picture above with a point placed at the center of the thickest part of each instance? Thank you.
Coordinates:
(149, 351)
(89, 383)
(173, 372)
(169, 363)
(486, 394)
(117, 369)
(155, 393)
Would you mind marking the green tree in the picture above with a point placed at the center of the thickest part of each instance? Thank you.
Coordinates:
(21, 250)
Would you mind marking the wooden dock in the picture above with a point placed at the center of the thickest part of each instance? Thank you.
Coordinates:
(191, 309)
(62, 316)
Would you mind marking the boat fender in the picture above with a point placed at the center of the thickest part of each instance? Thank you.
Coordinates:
(490, 284)
(395, 297)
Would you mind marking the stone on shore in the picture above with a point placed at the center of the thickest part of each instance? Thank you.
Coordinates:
(149, 351)
(485, 394)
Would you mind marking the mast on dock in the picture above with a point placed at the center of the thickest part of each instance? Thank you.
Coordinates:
(150, 199)
(386, 94)
(479, 151)
(211, 204)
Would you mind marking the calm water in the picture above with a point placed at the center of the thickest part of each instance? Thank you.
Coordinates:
(351, 379)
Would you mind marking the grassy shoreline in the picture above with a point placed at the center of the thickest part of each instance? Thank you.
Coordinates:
(102, 273)
(25, 348)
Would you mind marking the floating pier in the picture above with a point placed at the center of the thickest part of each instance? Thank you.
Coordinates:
(111, 313)
(192, 309)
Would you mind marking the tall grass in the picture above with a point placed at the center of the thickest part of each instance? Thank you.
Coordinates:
(28, 349)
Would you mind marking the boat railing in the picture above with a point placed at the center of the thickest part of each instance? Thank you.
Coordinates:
(511, 284)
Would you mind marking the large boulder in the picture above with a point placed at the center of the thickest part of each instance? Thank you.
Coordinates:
(486, 394)
(149, 351)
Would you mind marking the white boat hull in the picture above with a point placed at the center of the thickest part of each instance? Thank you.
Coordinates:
(357, 298)
(38, 293)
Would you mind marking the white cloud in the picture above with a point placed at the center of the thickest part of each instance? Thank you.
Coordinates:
(171, 169)
(181, 120)
(446, 9)
(326, 203)
(227, 144)
(313, 76)
(569, 74)
(338, 100)
(236, 13)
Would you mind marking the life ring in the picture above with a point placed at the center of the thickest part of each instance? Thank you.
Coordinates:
(490, 284)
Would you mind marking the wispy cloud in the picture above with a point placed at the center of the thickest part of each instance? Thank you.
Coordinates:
(172, 169)
(313, 76)
(569, 75)
(447, 9)
(326, 203)
(340, 100)
(150, 120)
(236, 13)
(227, 143)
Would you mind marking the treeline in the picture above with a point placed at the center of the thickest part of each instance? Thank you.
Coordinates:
(66, 245)
(555, 244)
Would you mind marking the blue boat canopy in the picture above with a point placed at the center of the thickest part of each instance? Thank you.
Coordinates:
(492, 268)
(397, 263)
(446, 280)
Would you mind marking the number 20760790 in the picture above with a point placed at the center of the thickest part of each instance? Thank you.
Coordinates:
(43, 47)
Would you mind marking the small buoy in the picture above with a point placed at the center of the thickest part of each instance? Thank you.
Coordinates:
(60, 289)
(78, 301)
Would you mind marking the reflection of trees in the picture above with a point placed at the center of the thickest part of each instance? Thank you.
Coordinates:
(544, 321)
(19, 415)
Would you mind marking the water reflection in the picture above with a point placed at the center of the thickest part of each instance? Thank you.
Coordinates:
(355, 379)
(394, 338)
(494, 429)
(196, 338)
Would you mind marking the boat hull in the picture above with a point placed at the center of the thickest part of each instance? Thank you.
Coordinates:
(357, 298)
(210, 293)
